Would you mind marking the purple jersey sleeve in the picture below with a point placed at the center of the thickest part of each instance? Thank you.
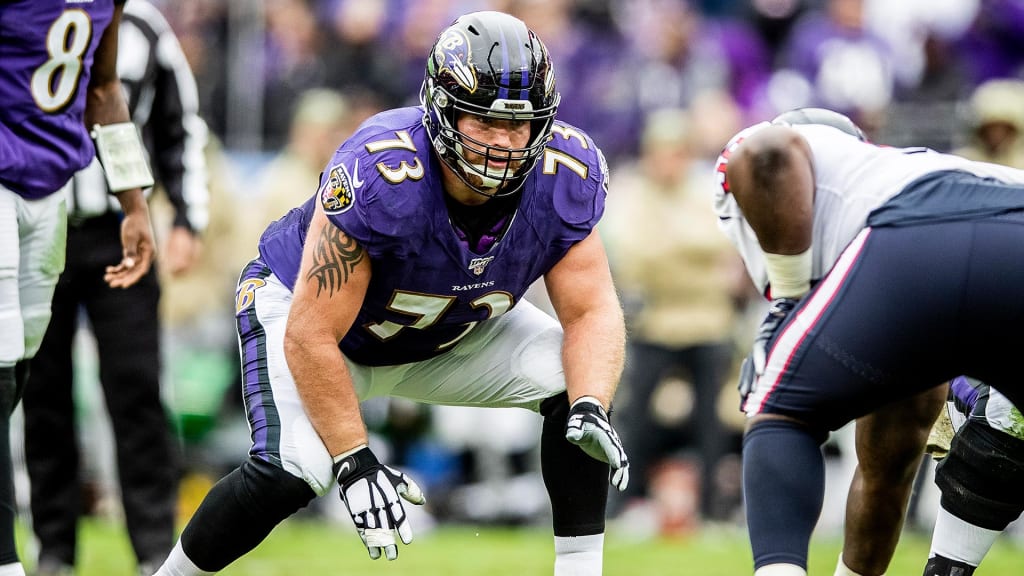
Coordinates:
(382, 185)
(572, 156)
(428, 289)
(46, 50)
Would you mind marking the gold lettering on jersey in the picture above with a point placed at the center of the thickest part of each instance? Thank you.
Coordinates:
(402, 141)
(567, 132)
(554, 158)
(246, 294)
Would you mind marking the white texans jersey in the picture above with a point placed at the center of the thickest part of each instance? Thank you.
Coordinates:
(852, 178)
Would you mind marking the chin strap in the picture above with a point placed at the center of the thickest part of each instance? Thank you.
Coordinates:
(487, 182)
(481, 171)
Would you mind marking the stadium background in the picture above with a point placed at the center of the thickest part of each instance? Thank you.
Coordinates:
(281, 81)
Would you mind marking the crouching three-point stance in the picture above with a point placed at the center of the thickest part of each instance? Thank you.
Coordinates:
(404, 275)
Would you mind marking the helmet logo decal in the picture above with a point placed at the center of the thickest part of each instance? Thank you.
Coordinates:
(337, 194)
(452, 52)
(549, 79)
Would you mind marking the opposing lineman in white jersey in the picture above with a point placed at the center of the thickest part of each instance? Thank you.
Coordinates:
(851, 179)
(863, 252)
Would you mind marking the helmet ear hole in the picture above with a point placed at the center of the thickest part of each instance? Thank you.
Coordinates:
(440, 98)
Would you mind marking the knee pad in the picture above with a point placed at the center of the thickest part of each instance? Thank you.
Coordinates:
(269, 488)
(240, 511)
(980, 479)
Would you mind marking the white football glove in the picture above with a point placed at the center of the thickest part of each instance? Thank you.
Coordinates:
(589, 428)
(371, 492)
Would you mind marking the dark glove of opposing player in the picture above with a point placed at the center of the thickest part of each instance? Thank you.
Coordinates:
(371, 492)
(753, 365)
(589, 428)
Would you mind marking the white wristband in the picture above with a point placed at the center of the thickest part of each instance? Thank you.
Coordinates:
(589, 399)
(122, 156)
(348, 453)
(789, 275)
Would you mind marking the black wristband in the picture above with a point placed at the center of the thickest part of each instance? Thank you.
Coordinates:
(591, 407)
(355, 465)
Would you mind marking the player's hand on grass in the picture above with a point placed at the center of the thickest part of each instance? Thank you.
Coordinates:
(753, 365)
(589, 428)
(373, 494)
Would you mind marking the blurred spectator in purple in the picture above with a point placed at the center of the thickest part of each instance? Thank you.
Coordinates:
(931, 73)
(201, 27)
(415, 34)
(360, 56)
(593, 69)
(912, 27)
(994, 44)
(294, 62)
(682, 53)
(773, 19)
(845, 66)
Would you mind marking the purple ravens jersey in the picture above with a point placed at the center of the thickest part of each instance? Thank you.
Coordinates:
(428, 289)
(46, 55)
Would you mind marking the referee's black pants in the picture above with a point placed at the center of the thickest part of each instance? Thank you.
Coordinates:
(126, 328)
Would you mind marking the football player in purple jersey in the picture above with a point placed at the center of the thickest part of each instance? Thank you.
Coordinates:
(404, 275)
(60, 93)
(979, 446)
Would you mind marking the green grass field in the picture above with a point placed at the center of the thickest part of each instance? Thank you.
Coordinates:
(312, 548)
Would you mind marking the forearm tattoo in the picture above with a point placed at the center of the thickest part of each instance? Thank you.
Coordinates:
(334, 259)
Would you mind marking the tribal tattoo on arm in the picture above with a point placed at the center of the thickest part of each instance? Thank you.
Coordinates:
(335, 257)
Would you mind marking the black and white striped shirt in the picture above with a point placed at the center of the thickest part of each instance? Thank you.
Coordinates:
(164, 104)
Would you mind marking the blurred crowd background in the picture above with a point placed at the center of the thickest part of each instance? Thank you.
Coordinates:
(660, 85)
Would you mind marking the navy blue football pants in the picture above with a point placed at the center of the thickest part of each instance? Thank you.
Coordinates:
(903, 310)
(912, 308)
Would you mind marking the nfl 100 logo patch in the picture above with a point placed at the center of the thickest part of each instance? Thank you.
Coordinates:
(477, 265)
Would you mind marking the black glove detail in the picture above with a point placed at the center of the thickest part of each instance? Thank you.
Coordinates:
(371, 493)
(753, 365)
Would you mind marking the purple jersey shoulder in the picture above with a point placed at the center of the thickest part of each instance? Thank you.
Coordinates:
(350, 190)
(383, 185)
(47, 49)
(572, 155)
(428, 289)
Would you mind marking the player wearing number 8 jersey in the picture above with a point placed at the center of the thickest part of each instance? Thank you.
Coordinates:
(404, 275)
(59, 85)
